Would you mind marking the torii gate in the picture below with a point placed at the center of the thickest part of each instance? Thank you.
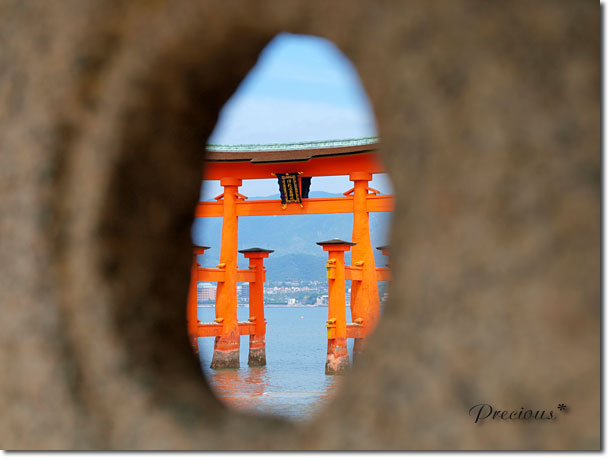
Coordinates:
(357, 158)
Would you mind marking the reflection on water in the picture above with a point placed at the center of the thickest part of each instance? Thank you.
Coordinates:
(293, 383)
(250, 390)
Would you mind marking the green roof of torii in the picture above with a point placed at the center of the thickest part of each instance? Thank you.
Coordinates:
(296, 151)
(292, 146)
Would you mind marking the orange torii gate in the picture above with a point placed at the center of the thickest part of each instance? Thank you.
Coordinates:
(357, 158)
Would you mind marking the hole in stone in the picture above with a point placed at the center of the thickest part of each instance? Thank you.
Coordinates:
(281, 298)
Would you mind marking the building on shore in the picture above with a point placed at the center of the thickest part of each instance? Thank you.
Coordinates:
(206, 293)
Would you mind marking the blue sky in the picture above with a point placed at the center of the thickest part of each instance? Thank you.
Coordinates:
(301, 89)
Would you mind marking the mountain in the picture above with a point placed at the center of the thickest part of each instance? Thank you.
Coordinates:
(292, 267)
(290, 235)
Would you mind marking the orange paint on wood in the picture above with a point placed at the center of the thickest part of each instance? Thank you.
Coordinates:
(209, 330)
(337, 358)
(363, 274)
(324, 166)
(257, 356)
(378, 203)
(226, 346)
(246, 276)
(211, 274)
(215, 330)
(364, 299)
(355, 331)
(353, 273)
(257, 298)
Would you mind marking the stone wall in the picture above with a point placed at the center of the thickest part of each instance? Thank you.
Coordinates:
(489, 116)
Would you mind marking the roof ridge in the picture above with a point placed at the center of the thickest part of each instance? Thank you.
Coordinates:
(292, 145)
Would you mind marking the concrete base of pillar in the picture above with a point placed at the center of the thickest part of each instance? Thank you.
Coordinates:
(337, 358)
(257, 355)
(226, 354)
(225, 359)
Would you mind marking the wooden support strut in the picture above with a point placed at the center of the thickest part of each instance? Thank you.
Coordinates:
(215, 329)
(333, 205)
(337, 358)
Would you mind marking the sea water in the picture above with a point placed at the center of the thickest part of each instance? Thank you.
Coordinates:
(293, 383)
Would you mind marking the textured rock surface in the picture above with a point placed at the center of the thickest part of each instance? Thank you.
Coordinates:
(489, 116)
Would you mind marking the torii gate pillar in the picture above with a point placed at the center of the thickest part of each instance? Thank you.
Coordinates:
(226, 346)
(337, 357)
(364, 299)
(256, 354)
(191, 305)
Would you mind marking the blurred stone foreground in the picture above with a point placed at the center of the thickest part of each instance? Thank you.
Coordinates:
(489, 115)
